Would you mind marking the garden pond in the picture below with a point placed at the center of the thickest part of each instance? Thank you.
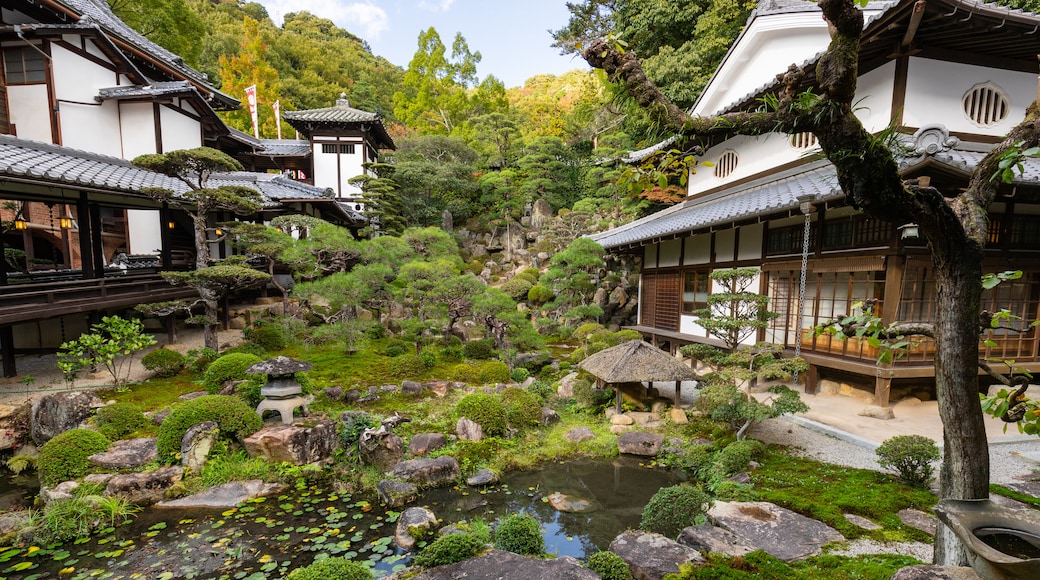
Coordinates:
(267, 537)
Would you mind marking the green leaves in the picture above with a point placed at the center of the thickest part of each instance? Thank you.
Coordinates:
(1009, 162)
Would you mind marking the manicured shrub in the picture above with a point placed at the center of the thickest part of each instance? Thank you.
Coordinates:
(539, 294)
(448, 550)
(485, 410)
(451, 354)
(734, 491)
(519, 374)
(517, 288)
(65, 456)
(673, 508)
(463, 373)
(543, 390)
(230, 367)
(332, 569)
(520, 534)
(407, 366)
(119, 419)
(494, 371)
(270, 337)
(164, 362)
(235, 419)
(479, 349)
(522, 409)
(609, 566)
(911, 456)
(396, 349)
(199, 359)
(584, 394)
(735, 457)
(531, 274)
(429, 360)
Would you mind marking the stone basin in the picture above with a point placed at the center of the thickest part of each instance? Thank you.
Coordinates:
(1002, 542)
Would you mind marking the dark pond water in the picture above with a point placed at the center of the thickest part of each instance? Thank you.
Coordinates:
(267, 537)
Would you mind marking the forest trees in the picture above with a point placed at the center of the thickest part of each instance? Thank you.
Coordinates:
(954, 225)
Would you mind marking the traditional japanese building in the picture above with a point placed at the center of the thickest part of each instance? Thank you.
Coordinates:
(951, 78)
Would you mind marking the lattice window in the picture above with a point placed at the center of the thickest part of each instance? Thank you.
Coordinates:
(986, 105)
(329, 148)
(24, 66)
(726, 164)
(804, 140)
(347, 149)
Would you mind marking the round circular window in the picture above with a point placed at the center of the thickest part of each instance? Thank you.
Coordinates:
(986, 105)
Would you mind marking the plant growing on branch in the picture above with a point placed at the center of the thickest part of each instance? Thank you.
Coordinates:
(954, 223)
(111, 346)
(194, 167)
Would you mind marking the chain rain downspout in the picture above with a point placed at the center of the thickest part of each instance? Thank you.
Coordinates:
(806, 207)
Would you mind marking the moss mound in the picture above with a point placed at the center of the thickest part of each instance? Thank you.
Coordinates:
(485, 410)
(65, 456)
(234, 418)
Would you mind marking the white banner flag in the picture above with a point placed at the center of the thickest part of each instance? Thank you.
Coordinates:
(251, 100)
(278, 117)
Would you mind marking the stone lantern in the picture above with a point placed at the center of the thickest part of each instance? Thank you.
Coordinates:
(281, 393)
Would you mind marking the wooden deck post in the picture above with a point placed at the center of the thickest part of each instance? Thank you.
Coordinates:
(7, 351)
(883, 385)
(812, 379)
(678, 391)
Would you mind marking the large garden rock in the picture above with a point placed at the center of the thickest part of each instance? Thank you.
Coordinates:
(918, 519)
(769, 527)
(14, 421)
(61, 491)
(58, 412)
(293, 443)
(443, 470)
(651, 556)
(483, 477)
(413, 520)
(225, 495)
(566, 388)
(380, 447)
(579, 434)
(126, 454)
(502, 564)
(423, 443)
(469, 430)
(569, 503)
(411, 388)
(549, 417)
(196, 444)
(929, 572)
(396, 494)
(145, 488)
(708, 538)
(640, 443)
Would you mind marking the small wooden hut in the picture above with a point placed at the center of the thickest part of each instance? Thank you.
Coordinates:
(636, 361)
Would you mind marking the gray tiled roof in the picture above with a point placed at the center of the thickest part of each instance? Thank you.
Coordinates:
(767, 196)
(776, 194)
(99, 12)
(342, 115)
(285, 147)
(53, 164)
(152, 90)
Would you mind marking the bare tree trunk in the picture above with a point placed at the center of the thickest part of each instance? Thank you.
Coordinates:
(965, 469)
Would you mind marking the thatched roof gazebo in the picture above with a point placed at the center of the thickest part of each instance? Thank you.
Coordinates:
(636, 361)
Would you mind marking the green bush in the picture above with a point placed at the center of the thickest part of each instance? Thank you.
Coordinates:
(332, 569)
(407, 366)
(609, 566)
(65, 456)
(463, 373)
(494, 371)
(911, 456)
(585, 394)
(199, 359)
(531, 274)
(119, 419)
(451, 353)
(396, 349)
(270, 337)
(522, 409)
(517, 288)
(479, 349)
(164, 362)
(235, 419)
(734, 491)
(520, 534)
(448, 550)
(539, 294)
(429, 360)
(351, 425)
(485, 410)
(230, 367)
(519, 374)
(673, 508)
(543, 390)
(735, 457)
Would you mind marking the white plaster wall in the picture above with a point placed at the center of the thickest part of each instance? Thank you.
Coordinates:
(935, 90)
(688, 325)
(29, 109)
(698, 249)
(874, 97)
(750, 242)
(325, 174)
(145, 230)
(76, 78)
(669, 253)
(91, 128)
(137, 129)
(724, 245)
(179, 131)
(650, 256)
(350, 166)
(755, 155)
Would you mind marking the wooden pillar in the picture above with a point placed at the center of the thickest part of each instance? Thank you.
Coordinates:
(86, 253)
(165, 255)
(97, 245)
(7, 351)
(883, 385)
(225, 313)
(812, 379)
(617, 407)
(894, 268)
(678, 392)
(171, 329)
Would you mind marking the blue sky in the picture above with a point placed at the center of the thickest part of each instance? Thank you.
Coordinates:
(511, 35)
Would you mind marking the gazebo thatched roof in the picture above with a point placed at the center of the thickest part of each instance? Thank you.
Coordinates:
(636, 361)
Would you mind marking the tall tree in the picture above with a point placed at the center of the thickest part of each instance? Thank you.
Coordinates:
(169, 23)
(953, 223)
(194, 167)
(250, 67)
(434, 99)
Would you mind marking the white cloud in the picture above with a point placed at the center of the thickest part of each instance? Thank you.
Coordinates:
(436, 5)
(364, 19)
